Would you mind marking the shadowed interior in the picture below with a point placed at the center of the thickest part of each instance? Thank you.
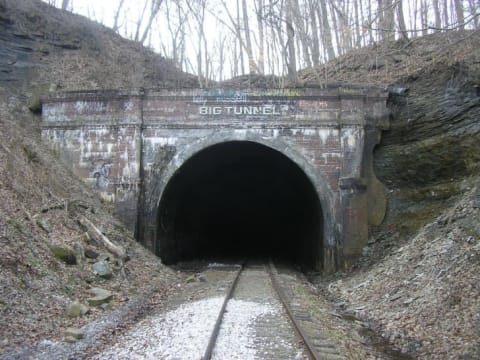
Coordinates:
(240, 199)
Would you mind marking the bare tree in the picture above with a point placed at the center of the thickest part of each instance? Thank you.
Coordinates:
(326, 30)
(140, 20)
(301, 32)
(401, 19)
(259, 7)
(236, 29)
(424, 16)
(239, 35)
(65, 4)
(197, 9)
(436, 12)
(176, 20)
(117, 15)
(446, 17)
(474, 5)
(315, 29)
(154, 9)
(291, 59)
(150, 15)
(460, 14)
(248, 42)
(386, 19)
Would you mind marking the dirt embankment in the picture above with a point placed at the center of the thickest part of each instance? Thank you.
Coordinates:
(43, 49)
(417, 283)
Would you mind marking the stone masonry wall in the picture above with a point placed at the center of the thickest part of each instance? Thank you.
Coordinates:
(129, 144)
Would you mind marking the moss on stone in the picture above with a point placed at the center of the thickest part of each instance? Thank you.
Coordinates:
(64, 253)
(432, 192)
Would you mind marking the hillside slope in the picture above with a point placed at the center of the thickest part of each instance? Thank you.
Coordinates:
(417, 282)
(44, 49)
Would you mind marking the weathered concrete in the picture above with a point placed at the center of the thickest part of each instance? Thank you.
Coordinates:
(131, 144)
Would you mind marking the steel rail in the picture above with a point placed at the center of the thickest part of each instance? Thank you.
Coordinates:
(216, 329)
(308, 345)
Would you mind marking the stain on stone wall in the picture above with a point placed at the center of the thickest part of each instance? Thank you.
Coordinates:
(128, 144)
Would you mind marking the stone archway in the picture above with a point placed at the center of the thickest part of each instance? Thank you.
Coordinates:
(246, 196)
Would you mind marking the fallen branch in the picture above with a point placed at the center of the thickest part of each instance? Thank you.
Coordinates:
(52, 207)
(97, 236)
(68, 205)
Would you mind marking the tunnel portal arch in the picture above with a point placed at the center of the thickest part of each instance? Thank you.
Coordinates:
(146, 136)
(243, 196)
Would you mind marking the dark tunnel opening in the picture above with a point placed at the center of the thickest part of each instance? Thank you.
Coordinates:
(240, 199)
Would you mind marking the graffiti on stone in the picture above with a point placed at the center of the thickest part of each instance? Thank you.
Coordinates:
(100, 172)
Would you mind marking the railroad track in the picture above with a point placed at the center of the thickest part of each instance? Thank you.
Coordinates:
(301, 338)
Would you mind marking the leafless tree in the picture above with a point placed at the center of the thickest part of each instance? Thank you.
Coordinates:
(65, 4)
(401, 19)
(198, 11)
(248, 42)
(117, 15)
(277, 36)
(176, 19)
(259, 7)
(290, 45)
(460, 14)
(436, 12)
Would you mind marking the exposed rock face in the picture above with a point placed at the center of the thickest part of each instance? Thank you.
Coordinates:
(39, 54)
(431, 152)
(433, 147)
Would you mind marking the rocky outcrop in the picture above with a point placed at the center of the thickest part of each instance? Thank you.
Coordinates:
(64, 51)
(432, 151)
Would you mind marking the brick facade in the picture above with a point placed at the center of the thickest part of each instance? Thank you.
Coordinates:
(128, 145)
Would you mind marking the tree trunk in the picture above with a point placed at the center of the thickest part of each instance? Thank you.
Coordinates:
(248, 42)
(117, 15)
(326, 31)
(239, 37)
(460, 14)
(315, 39)
(301, 32)
(381, 18)
(387, 24)
(155, 8)
(336, 30)
(283, 59)
(401, 20)
(261, 37)
(291, 60)
(436, 12)
(370, 23)
(358, 35)
(446, 20)
(140, 20)
(474, 11)
(65, 4)
(424, 15)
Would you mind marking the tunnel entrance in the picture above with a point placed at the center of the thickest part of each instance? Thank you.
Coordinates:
(240, 199)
